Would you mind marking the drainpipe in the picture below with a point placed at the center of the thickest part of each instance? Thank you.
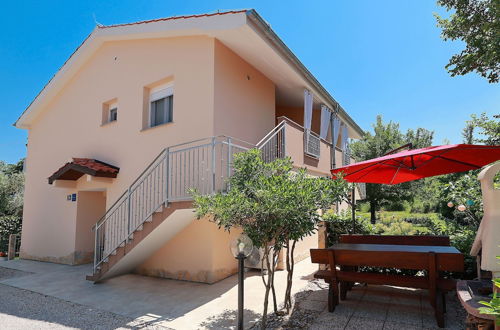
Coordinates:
(333, 162)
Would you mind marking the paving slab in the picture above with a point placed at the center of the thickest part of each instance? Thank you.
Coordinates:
(170, 303)
(384, 307)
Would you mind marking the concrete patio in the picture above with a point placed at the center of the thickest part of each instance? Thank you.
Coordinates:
(159, 303)
(380, 307)
(154, 301)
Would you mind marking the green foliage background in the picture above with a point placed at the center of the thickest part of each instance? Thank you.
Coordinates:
(11, 201)
(477, 24)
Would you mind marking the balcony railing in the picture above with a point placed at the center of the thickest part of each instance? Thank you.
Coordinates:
(312, 143)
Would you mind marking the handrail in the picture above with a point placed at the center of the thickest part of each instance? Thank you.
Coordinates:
(132, 184)
(167, 178)
(294, 123)
(272, 132)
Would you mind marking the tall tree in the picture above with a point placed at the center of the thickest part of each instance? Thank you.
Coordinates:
(487, 129)
(275, 205)
(477, 24)
(385, 138)
(11, 200)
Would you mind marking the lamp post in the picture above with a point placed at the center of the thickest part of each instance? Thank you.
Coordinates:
(241, 248)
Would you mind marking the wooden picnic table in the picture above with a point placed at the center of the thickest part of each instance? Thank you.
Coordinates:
(349, 257)
(397, 256)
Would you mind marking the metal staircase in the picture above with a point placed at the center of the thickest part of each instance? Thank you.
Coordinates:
(163, 187)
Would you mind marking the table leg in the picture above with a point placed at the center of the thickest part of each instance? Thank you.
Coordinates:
(332, 295)
(438, 308)
(343, 289)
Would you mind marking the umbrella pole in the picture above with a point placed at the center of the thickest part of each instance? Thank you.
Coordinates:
(353, 207)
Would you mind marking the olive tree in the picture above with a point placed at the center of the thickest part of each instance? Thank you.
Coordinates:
(275, 205)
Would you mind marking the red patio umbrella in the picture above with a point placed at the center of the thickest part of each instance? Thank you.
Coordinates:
(416, 164)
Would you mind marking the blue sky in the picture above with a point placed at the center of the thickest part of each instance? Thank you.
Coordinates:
(375, 57)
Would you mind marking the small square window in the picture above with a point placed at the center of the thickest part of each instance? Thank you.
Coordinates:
(161, 110)
(109, 111)
(113, 114)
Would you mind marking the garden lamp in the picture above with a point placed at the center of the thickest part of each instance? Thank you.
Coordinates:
(241, 248)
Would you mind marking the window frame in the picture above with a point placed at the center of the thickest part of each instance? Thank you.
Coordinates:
(155, 95)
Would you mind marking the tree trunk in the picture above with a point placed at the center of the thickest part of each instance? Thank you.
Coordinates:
(275, 261)
(290, 265)
(266, 283)
(373, 211)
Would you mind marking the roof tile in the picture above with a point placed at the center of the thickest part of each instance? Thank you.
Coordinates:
(175, 18)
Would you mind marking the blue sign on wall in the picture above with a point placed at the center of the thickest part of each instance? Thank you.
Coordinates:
(73, 197)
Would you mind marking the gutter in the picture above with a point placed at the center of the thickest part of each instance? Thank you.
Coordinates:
(262, 26)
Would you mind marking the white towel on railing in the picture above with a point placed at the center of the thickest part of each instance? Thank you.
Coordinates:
(344, 138)
(308, 107)
(325, 122)
(336, 130)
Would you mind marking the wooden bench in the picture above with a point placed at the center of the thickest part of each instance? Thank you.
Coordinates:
(393, 252)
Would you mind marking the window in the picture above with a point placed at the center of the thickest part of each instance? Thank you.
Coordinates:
(110, 111)
(161, 107)
(113, 114)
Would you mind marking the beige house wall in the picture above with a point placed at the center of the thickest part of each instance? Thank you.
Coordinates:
(71, 126)
(198, 253)
(244, 99)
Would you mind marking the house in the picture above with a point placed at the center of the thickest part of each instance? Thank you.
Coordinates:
(140, 113)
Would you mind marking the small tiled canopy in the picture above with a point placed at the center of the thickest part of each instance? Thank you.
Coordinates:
(79, 166)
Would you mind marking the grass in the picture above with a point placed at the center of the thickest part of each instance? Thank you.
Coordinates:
(406, 223)
(399, 215)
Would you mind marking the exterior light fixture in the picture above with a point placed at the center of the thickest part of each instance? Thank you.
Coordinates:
(241, 248)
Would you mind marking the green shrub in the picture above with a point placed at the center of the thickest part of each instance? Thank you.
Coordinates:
(492, 306)
(8, 225)
(422, 206)
(339, 224)
(363, 207)
(397, 206)
(398, 227)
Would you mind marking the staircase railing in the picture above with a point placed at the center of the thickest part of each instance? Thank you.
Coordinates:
(273, 144)
(203, 164)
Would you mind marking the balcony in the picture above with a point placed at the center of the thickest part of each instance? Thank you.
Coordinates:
(307, 149)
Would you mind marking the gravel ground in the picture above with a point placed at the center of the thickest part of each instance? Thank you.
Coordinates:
(22, 309)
